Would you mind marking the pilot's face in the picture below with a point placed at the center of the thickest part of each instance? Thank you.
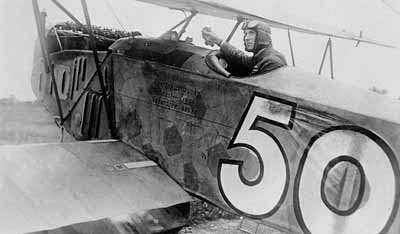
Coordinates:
(249, 39)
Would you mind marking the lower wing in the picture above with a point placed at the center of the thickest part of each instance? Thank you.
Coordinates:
(46, 186)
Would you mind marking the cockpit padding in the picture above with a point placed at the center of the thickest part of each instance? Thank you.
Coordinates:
(69, 36)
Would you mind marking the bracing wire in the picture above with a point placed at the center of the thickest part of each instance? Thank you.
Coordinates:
(115, 15)
(392, 5)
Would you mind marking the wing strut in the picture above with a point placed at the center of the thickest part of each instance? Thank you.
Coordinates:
(92, 42)
(222, 11)
(70, 15)
(177, 25)
(328, 46)
(187, 22)
(48, 68)
(238, 22)
(73, 18)
(291, 47)
(40, 26)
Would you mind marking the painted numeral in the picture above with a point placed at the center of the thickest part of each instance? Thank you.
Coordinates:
(262, 195)
(376, 201)
(347, 181)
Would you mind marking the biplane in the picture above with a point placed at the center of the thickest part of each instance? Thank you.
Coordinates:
(158, 122)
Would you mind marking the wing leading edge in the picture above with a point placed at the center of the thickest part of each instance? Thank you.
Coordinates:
(222, 11)
(47, 186)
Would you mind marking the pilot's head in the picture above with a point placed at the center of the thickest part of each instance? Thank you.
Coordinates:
(257, 35)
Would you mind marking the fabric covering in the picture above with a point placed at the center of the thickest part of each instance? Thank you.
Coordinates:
(46, 186)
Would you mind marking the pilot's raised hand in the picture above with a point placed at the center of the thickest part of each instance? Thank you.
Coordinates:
(210, 37)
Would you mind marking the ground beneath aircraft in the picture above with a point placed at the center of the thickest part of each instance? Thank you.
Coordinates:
(208, 219)
(29, 122)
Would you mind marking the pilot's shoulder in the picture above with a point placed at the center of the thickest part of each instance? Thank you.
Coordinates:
(275, 59)
(278, 57)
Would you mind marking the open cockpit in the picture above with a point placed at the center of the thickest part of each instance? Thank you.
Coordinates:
(167, 49)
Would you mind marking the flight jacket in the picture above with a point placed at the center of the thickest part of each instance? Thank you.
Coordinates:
(264, 60)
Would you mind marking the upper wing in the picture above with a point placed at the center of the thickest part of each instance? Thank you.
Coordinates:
(45, 186)
(222, 11)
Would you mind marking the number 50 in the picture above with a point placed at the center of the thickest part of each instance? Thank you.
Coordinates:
(378, 198)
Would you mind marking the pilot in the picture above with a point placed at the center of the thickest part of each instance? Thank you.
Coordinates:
(257, 39)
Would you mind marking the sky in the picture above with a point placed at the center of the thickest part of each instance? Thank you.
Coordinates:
(363, 66)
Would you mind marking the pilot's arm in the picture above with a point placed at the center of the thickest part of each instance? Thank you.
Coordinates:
(230, 51)
(235, 54)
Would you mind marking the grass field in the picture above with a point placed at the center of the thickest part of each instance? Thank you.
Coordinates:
(27, 122)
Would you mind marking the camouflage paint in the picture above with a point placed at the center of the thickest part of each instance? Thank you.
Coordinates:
(186, 118)
(188, 122)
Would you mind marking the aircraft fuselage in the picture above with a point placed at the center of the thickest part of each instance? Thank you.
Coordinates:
(285, 147)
